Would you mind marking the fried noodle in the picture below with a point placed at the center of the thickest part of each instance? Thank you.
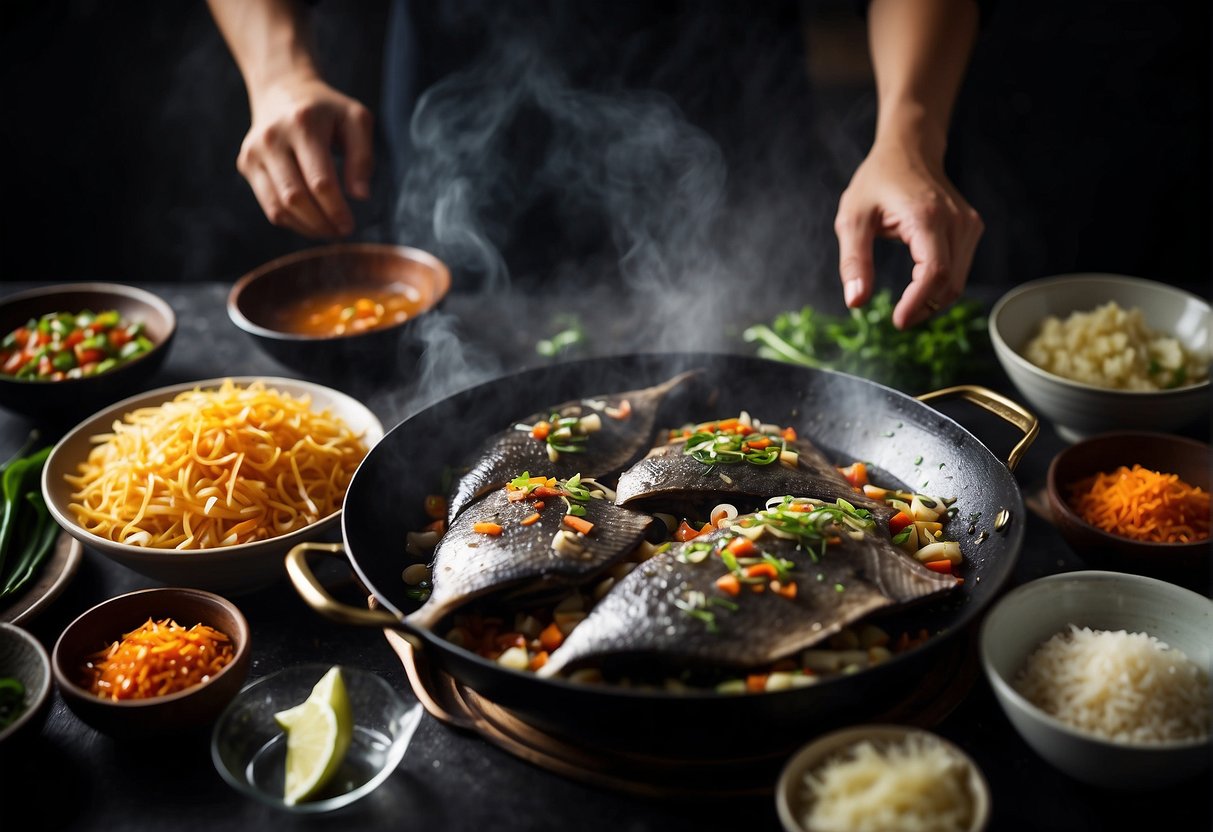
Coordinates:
(215, 468)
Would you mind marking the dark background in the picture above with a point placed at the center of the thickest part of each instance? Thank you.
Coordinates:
(1082, 135)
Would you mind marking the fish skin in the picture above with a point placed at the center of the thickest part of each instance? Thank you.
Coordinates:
(608, 451)
(468, 564)
(638, 615)
(667, 474)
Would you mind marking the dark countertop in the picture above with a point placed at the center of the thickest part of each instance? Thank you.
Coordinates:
(74, 778)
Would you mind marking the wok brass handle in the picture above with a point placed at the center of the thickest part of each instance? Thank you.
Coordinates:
(321, 600)
(999, 405)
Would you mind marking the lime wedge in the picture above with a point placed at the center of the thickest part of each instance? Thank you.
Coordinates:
(318, 733)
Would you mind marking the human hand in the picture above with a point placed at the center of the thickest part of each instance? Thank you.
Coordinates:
(899, 195)
(287, 155)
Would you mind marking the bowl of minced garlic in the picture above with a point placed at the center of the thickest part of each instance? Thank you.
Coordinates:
(153, 662)
(873, 778)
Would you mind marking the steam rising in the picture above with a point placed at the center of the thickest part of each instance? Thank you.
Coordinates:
(547, 198)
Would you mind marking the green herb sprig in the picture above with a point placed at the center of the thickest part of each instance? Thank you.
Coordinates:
(934, 354)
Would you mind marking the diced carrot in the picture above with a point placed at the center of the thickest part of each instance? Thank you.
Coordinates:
(856, 474)
(761, 570)
(539, 504)
(944, 566)
(579, 524)
(537, 661)
(540, 430)
(756, 682)
(804, 508)
(789, 434)
(899, 521)
(530, 519)
(684, 532)
(546, 491)
(760, 444)
(728, 584)
(787, 590)
(742, 547)
(707, 528)
(551, 637)
(759, 588)
(493, 529)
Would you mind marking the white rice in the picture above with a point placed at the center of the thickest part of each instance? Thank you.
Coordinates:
(1112, 347)
(1121, 686)
(916, 785)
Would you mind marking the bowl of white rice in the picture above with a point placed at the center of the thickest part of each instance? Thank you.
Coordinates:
(1106, 675)
(1095, 352)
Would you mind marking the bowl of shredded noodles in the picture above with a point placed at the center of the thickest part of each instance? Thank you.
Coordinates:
(1136, 501)
(1099, 352)
(208, 484)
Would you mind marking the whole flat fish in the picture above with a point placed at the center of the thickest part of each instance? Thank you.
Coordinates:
(698, 602)
(597, 436)
(669, 475)
(504, 542)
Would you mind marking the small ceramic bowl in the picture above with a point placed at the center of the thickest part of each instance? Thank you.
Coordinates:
(793, 797)
(264, 304)
(1031, 614)
(25, 671)
(231, 570)
(191, 709)
(1076, 409)
(69, 400)
(248, 747)
(1190, 460)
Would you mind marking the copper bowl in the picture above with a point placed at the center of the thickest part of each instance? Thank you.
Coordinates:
(1184, 563)
(257, 300)
(192, 709)
(67, 401)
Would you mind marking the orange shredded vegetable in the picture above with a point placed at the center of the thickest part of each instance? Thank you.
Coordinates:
(1142, 504)
(157, 658)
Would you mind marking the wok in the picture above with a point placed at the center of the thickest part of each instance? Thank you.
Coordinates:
(850, 418)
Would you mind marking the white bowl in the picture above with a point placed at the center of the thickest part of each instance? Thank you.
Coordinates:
(1078, 410)
(1034, 612)
(790, 791)
(228, 570)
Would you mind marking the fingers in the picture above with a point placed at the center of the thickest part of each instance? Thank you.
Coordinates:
(856, 234)
(287, 158)
(942, 243)
(930, 286)
(356, 138)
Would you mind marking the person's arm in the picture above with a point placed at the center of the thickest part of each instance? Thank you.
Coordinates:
(920, 50)
(297, 121)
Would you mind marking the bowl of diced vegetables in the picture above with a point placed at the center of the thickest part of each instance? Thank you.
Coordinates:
(67, 350)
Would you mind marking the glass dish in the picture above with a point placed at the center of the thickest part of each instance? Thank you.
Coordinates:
(249, 748)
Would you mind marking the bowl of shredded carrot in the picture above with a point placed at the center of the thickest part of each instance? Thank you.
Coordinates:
(1136, 501)
(153, 662)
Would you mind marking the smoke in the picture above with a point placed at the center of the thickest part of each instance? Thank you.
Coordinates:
(549, 196)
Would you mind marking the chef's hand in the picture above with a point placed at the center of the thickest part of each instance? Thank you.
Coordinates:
(288, 155)
(898, 194)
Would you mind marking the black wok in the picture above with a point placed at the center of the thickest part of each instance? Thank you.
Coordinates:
(902, 438)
